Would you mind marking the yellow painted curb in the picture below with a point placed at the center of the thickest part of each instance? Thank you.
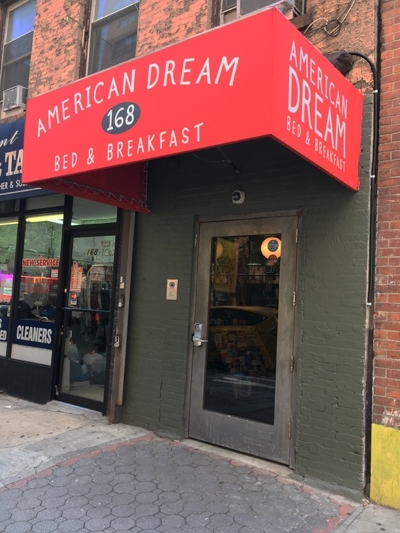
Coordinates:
(385, 466)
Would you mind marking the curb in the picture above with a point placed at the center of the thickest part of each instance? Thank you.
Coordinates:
(47, 469)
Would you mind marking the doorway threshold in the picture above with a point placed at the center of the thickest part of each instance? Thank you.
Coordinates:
(274, 468)
(65, 406)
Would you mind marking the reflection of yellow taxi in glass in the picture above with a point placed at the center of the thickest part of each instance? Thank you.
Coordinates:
(243, 339)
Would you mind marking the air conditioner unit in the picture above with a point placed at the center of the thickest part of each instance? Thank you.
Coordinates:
(14, 98)
(285, 6)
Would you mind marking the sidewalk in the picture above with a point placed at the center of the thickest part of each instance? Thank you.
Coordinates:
(65, 469)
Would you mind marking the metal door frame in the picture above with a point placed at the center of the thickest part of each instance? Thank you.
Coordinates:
(71, 234)
(297, 213)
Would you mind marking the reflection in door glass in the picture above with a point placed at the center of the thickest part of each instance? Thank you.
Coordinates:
(243, 327)
(8, 240)
(87, 319)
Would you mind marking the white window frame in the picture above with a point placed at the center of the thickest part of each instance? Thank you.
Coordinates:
(12, 7)
(96, 23)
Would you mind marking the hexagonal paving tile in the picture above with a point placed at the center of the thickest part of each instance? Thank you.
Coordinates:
(160, 487)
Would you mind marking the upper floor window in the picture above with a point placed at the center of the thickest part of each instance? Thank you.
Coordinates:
(113, 33)
(18, 44)
(231, 9)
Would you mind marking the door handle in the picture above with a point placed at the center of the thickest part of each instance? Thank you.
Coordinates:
(198, 332)
(197, 341)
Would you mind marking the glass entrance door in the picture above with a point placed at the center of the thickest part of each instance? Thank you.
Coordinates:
(243, 336)
(87, 325)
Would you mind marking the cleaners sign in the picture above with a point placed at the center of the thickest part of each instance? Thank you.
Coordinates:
(33, 341)
(4, 322)
(255, 77)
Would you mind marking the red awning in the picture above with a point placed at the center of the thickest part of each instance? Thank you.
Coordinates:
(255, 77)
(122, 186)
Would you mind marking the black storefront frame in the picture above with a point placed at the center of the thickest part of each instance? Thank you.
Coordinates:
(32, 381)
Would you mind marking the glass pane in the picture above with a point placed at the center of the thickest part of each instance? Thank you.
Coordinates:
(36, 310)
(88, 212)
(9, 206)
(38, 288)
(19, 48)
(40, 266)
(88, 339)
(17, 61)
(247, 6)
(8, 241)
(41, 202)
(114, 41)
(106, 7)
(243, 326)
(91, 273)
(85, 361)
(228, 4)
(16, 73)
(21, 20)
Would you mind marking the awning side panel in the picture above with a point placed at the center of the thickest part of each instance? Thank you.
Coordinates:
(316, 113)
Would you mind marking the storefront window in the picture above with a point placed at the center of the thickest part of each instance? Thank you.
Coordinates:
(87, 212)
(9, 206)
(38, 286)
(43, 202)
(8, 240)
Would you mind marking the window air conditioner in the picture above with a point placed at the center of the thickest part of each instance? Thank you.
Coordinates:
(14, 98)
(296, 7)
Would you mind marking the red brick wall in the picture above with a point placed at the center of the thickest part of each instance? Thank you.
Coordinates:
(165, 22)
(386, 405)
(357, 33)
(59, 35)
(57, 44)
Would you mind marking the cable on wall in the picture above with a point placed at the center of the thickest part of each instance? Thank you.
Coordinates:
(333, 26)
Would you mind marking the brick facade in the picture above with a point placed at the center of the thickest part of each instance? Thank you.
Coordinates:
(386, 391)
(385, 430)
(60, 42)
(357, 33)
(164, 23)
(57, 47)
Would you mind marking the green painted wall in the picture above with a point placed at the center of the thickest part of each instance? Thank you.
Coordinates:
(331, 304)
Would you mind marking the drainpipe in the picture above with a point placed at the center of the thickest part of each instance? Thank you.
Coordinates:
(373, 183)
(371, 273)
